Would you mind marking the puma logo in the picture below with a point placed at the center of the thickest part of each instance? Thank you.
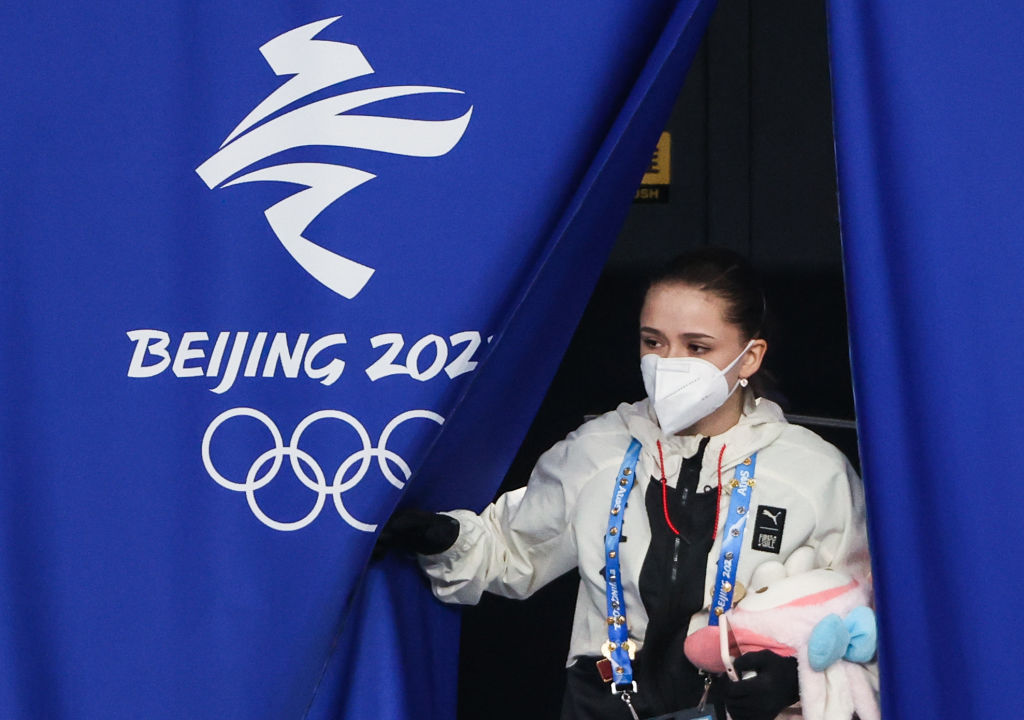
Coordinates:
(774, 516)
(768, 538)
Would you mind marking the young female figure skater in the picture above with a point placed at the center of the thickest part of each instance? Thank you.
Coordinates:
(669, 507)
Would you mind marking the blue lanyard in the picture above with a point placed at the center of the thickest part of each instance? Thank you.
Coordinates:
(618, 631)
(732, 541)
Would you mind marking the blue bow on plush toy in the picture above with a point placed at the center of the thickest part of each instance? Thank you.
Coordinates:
(853, 638)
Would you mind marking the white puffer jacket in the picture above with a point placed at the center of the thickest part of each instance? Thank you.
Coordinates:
(532, 535)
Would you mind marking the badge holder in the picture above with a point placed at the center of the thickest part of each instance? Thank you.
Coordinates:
(701, 712)
(694, 714)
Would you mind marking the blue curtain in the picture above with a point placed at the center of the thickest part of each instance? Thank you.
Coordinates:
(265, 269)
(928, 101)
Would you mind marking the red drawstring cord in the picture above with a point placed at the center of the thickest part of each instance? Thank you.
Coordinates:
(718, 500)
(664, 492)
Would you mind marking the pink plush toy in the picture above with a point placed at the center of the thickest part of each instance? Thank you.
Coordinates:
(821, 618)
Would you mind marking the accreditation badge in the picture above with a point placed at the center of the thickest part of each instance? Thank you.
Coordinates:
(705, 713)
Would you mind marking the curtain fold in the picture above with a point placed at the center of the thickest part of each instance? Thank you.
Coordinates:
(926, 100)
(260, 263)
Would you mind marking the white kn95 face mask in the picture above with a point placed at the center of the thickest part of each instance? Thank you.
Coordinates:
(684, 390)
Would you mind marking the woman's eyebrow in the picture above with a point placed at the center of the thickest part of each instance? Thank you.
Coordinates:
(688, 336)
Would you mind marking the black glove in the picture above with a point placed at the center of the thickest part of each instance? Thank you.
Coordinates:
(763, 697)
(417, 531)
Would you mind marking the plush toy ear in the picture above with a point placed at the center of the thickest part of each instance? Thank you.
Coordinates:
(863, 635)
(703, 649)
(829, 640)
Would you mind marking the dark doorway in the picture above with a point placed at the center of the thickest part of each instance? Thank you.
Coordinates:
(751, 167)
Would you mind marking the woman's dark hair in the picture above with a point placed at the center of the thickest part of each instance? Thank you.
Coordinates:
(728, 276)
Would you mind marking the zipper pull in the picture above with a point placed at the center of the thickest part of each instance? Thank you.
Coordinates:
(675, 558)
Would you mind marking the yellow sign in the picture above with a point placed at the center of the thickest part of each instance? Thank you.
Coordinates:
(655, 184)
(660, 170)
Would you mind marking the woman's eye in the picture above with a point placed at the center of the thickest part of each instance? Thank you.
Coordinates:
(698, 349)
(649, 342)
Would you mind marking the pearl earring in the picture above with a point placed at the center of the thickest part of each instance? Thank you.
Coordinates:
(743, 382)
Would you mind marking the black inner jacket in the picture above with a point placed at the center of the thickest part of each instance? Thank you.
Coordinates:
(672, 588)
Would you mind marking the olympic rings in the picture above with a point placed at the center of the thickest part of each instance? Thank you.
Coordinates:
(300, 461)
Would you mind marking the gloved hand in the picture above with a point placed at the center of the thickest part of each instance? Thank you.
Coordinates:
(763, 697)
(417, 531)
